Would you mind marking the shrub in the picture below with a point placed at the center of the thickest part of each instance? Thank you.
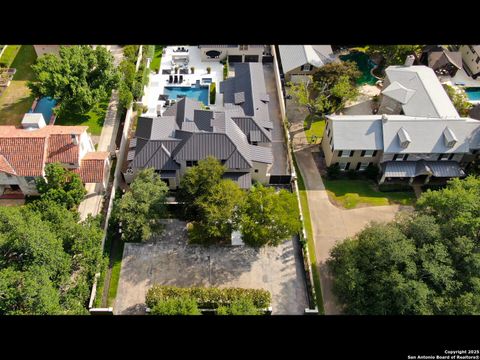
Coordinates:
(208, 298)
(213, 93)
(183, 305)
(352, 174)
(372, 171)
(333, 171)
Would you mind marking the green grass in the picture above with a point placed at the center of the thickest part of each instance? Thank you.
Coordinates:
(93, 119)
(155, 64)
(352, 193)
(317, 129)
(9, 54)
(307, 221)
(17, 99)
(115, 275)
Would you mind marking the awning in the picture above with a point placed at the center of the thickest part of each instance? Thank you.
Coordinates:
(397, 169)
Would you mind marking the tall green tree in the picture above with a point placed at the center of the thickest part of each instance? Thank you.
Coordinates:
(62, 186)
(219, 212)
(425, 262)
(394, 54)
(196, 183)
(140, 208)
(459, 99)
(269, 217)
(78, 78)
(332, 72)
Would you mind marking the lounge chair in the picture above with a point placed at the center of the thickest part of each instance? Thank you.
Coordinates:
(175, 79)
(181, 79)
(170, 79)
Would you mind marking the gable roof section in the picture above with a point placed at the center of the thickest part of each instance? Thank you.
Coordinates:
(24, 155)
(92, 167)
(429, 99)
(294, 56)
(398, 92)
(6, 167)
(359, 132)
(61, 149)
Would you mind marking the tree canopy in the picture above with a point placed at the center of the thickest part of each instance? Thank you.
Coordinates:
(197, 183)
(328, 89)
(140, 208)
(61, 186)
(47, 259)
(393, 54)
(459, 100)
(77, 78)
(425, 262)
(269, 217)
(183, 305)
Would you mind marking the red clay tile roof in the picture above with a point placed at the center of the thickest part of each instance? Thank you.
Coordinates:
(5, 166)
(92, 170)
(96, 155)
(27, 151)
(61, 149)
(25, 155)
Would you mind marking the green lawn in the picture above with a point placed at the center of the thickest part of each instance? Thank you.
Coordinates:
(352, 193)
(9, 54)
(307, 221)
(93, 119)
(16, 100)
(115, 275)
(317, 129)
(155, 64)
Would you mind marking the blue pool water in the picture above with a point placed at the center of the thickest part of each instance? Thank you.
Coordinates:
(473, 93)
(45, 107)
(199, 93)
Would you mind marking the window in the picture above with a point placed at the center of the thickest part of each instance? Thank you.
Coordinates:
(330, 142)
(358, 166)
(369, 153)
(243, 47)
(363, 166)
(442, 157)
(307, 67)
(344, 166)
(451, 156)
(345, 153)
(191, 163)
(256, 170)
(400, 157)
(328, 133)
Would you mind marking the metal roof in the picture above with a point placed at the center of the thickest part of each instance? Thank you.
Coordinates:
(294, 56)
(356, 132)
(261, 154)
(421, 167)
(429, 98)
(244, 179)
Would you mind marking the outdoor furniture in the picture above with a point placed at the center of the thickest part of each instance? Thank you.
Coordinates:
(181, 79)
(175, 79)
(170, 79)
(166, 71)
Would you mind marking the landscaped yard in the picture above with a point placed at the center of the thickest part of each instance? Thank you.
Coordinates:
(316, 130)
(93, 119)
(16, 100)
(155, 64)
(353, 193)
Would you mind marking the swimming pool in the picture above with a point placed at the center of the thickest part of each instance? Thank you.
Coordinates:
(473, 93)
(45, 107)
(364, 65)
(199, 93)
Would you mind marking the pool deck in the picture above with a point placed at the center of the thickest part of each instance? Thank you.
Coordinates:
(158, 81)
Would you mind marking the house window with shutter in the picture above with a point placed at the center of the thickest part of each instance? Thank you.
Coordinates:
(345, 153)
(307, 67)
(368, 153)
(450, 157)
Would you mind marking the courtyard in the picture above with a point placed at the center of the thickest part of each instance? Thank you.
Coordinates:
(169, 260)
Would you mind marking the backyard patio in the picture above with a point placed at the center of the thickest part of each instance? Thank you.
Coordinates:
(175, 78)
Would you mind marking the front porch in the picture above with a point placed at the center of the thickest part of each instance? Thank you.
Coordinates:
(419, 172)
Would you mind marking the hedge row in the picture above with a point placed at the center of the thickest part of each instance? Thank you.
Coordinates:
(208, 298)
(213, 93)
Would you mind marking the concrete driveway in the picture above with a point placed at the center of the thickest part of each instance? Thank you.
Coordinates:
(169, 260)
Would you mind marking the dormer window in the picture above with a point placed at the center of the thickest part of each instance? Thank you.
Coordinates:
(307, 67)
(449, 137)
(404, 138)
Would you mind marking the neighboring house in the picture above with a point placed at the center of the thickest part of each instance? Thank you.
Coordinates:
(441, 60)
(233, 53)
(471, 58)
(417, 135)
(46, 49)
(25, 151)
(238, 134)
(296, 61)
(475, 112)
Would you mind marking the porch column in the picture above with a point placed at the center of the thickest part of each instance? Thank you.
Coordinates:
(427, 180)
(382, 179)
(411, 180)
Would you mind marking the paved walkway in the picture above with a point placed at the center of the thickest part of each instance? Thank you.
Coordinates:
(94, 198)
(330, 224)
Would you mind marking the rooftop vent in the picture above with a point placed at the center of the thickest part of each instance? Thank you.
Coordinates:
(239, 98)
(449, 137)
(404, 138)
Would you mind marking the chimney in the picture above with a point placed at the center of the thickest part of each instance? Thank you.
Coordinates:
(74, 139)
(384, 118)
(409, 60)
